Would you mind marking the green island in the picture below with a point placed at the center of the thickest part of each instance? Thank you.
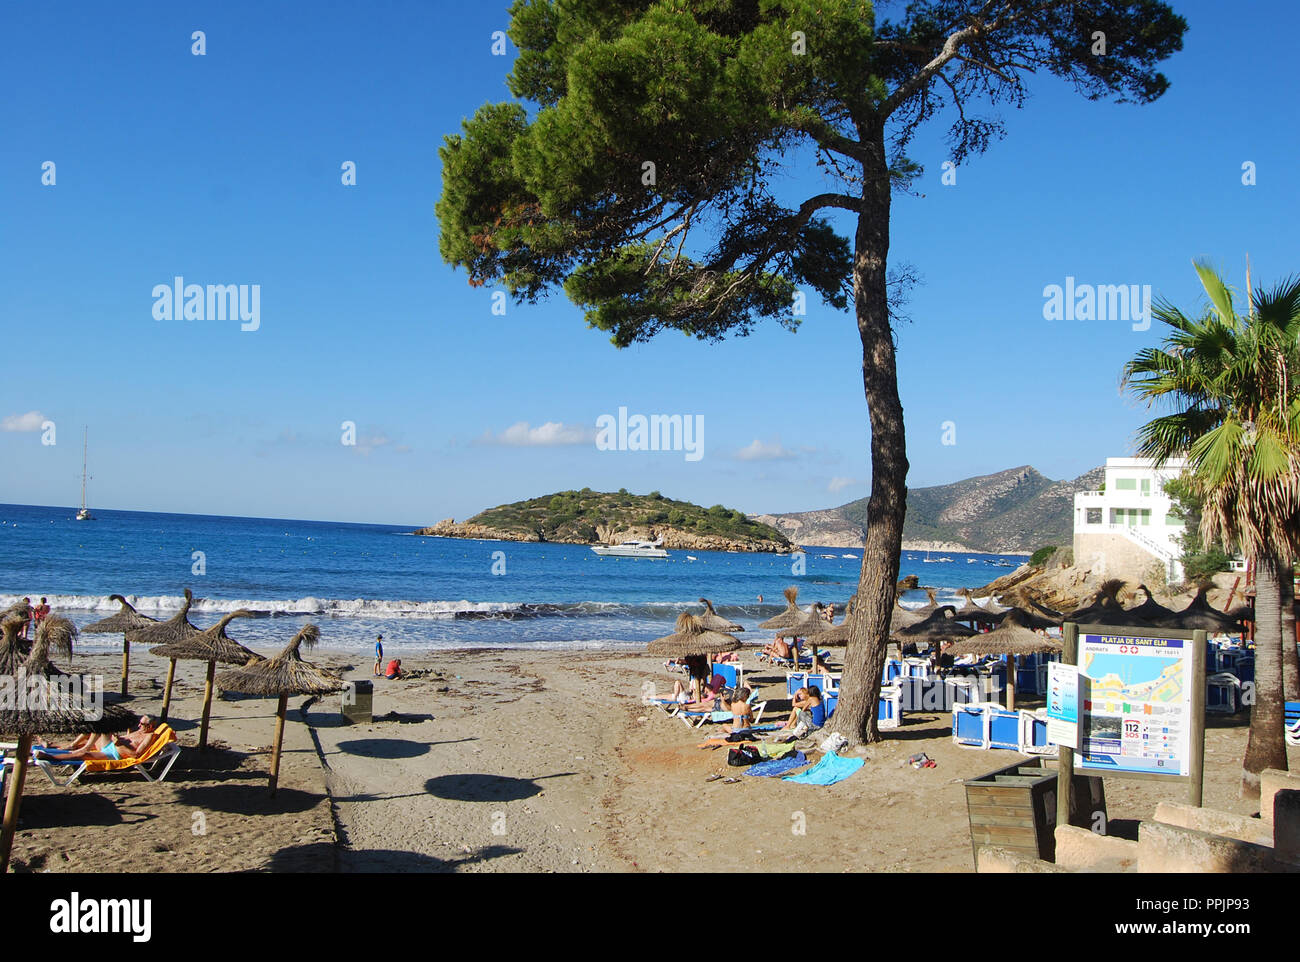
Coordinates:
(587, 517)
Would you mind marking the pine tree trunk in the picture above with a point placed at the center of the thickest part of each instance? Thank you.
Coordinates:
(855, 713)
(1290, 661)
(1266, 746)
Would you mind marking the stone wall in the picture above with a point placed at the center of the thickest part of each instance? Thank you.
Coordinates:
(1114, 556)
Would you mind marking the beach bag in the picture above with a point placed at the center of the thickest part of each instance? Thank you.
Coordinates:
(744, 755)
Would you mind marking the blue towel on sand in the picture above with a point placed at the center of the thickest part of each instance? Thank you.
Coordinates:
(778, 766)
(828, 771)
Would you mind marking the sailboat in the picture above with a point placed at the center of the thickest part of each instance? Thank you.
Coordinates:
(84, 514)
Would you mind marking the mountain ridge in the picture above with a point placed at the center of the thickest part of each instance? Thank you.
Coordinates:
(1014, 511)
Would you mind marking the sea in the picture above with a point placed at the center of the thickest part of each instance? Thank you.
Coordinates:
(423, 594)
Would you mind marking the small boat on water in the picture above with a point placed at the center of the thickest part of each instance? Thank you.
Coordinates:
(848, 556)
(631, 549)
(84, 514)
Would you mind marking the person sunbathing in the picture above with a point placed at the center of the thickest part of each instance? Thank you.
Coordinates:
(801, 708)
(780, 648)
(710, 695)
(105, 747)
(742, 712)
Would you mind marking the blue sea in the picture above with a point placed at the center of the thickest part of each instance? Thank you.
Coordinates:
(359, 580)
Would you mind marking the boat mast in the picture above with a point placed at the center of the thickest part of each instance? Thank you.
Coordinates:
(84, 437)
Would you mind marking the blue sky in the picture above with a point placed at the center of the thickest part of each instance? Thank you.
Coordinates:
(225, 169)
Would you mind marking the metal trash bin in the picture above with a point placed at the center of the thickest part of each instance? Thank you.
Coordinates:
(1015, 808)
(358, 703)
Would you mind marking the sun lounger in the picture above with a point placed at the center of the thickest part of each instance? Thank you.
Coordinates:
(1004, 728)
(161, 756)
(1033, 734)
(970, 726)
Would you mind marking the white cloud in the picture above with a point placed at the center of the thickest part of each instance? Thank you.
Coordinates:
(839, 484)
(550, 434)
(757, 450)
(31, 421)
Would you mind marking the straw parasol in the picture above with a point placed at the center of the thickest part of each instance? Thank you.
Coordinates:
(901, 617)
(814, 623)
(1104, 609)
(55, 632)
(939, 626)
(1150, 611)
(175, 629)
(126, 620)
(1013, 637)
(1199, 614)
(791, 616)
(284, 675)
(692, 638)
(212, 646)
(715, 622)
(974, 613)
(48, 707)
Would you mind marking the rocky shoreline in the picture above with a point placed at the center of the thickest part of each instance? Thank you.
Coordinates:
(673, 539)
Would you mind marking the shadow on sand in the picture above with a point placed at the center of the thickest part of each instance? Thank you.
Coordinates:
(248, 799)
(486, 788)
(384, 748)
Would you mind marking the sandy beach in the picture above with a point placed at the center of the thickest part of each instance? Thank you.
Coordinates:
(518, 761)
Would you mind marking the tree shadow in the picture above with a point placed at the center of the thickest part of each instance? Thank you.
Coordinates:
(383, 748)
(247, 799)
(315, 857)
(486, 788)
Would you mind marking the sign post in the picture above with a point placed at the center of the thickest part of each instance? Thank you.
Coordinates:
(1143, 707)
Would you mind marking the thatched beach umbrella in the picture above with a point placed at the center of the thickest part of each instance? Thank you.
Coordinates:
(284, 675)
(1199, 614)
(212, 646)
(715, 622)
(1105, 608)
(939, 626)
(973, 613)
(127, 619)
(791, 616)
(1014, 637)
(814, 623)
(175, 629)
(48, 706)
(55, 632)
(901, 617)
(692, 638)
(1150, 611)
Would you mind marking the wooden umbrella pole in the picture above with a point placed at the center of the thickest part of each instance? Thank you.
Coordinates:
(14, 800)
(167, 692)
(207, 706)
(1013, 662)
(126, 664)
(279, 738)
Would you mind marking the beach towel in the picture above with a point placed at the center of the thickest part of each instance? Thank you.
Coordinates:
(778, 766)
(774, 749)
(828, 771)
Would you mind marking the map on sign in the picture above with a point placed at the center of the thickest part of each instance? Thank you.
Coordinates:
(1136, 704)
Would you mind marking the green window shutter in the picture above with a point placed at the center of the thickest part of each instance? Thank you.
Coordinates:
(1126, 484)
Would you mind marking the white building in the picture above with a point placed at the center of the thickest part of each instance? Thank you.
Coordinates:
(1128, 527)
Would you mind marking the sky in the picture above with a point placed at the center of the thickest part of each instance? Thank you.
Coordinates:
(227, 168)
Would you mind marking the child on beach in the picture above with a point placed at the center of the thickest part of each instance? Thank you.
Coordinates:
(394, 669)
(379, 655)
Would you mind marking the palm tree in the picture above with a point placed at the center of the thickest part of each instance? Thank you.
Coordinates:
(1231, 382)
